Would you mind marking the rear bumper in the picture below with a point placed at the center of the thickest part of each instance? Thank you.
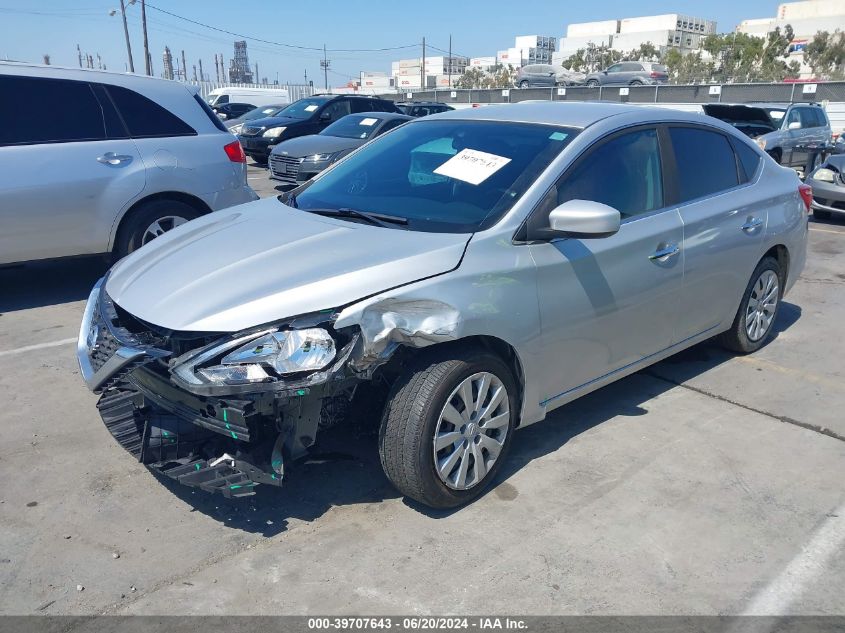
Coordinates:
(257, 146)
(827, 196)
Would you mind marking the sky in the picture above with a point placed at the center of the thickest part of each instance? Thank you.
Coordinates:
(32, 28)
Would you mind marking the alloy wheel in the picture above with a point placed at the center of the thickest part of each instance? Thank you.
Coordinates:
(160, 226)
(471, 431)
(762, 305)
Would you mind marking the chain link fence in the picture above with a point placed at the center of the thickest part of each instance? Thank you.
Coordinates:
(703, 93)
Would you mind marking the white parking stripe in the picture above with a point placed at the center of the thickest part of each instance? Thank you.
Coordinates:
(795, 579)
(30, 348)
(812, 228)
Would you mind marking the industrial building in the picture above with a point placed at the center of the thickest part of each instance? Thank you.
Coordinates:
(528, 49)
(670, 30)
(439, 69)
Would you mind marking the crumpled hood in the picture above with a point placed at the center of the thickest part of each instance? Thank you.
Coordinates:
(263, 261)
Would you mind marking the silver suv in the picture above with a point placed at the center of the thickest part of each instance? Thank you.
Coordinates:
(96, 162)
(629, 74)
(464, 274)
(782, 130)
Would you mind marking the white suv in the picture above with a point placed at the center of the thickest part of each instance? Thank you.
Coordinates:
(96, 162)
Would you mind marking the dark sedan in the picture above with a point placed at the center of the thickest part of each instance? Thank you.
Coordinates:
(232, 110)
(298, 160)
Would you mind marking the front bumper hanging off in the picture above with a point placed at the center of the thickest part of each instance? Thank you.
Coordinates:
(227, 446)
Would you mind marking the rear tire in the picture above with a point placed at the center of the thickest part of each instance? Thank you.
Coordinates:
(146, 220)
(776, 155)
(416, 413)
(758, 310)
(636, 82)
(592, 83)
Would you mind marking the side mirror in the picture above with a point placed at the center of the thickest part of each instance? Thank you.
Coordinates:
(604, 72)
(795, 125)
(325, 116)
(222, 116)
(583, 218)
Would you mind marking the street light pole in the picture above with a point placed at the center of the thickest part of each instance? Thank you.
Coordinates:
(126, 34)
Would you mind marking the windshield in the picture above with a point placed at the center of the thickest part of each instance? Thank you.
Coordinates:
(441, 176)
(776, 115)
(304, 108)
(353, 126)
(215, 100)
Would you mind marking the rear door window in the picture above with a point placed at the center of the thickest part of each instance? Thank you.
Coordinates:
(145, 118)
(55, 111)
(705, 163)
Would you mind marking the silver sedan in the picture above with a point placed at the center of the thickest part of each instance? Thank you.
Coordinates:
(472, 270)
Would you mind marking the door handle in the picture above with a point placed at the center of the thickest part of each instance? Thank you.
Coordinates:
(751, 224)
(663, 254)
(115, 160)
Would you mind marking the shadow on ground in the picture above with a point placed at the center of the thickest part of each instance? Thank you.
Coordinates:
(42, 284)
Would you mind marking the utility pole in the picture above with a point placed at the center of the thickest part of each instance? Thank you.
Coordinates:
(79, 55)
(126, 34)
(222, 69)
(216, 68)
(422, 69)
(450, 61)
(46, 60)
(201, 75)
(184, 67)
(195, 72)
(148, 60)
(257, 80)
(325, 64)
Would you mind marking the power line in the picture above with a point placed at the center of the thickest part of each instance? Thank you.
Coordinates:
(258, 39)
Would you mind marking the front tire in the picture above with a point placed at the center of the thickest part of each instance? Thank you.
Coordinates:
(448, 425)
(592, 83)
(758, 311)
(523, 84)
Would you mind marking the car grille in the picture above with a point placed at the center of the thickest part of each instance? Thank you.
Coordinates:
(250, 131)
(284, 168)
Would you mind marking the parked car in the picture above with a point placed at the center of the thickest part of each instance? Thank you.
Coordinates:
(782, 130)
(829, 188)
(297, 160)
(234, 125)
(258, 96)
(473, 271)
(422, 108)
(120, 160)
(547, 75)
(232, 110)
(306, 116)
(838, 144)
(629, 74)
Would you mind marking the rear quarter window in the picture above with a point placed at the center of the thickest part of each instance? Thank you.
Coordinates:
(144, 117)
(749, 160)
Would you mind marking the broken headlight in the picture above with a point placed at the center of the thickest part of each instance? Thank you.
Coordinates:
(258, 358)
(824, 175)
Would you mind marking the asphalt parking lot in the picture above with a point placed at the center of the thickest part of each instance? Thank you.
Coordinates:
(708, 484)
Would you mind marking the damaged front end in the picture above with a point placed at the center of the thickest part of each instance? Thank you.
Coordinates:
(220, 412)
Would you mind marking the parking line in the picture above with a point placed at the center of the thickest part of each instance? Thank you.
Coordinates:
(806, 375)
(803, 570)
(812, 228)
(30, 348)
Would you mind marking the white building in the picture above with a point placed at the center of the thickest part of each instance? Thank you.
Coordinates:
(528, 49)
(408, 73)
(670, 30)
(806, 19)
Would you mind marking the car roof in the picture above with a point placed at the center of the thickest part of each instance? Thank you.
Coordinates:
(570, 114)
(85, 74)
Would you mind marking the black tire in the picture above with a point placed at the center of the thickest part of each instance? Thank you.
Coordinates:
(592, 83)
(523, 84)
(736, 338)
(776, 154)
(131, 235)
(636, 82)
(821, 214)
(410, 419)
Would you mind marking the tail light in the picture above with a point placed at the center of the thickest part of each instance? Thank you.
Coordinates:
(235, 152)
(806, 192)
(656, 75)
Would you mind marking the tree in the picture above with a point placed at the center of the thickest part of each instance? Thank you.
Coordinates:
(472, 78)
(592, 58)
(825, 54)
